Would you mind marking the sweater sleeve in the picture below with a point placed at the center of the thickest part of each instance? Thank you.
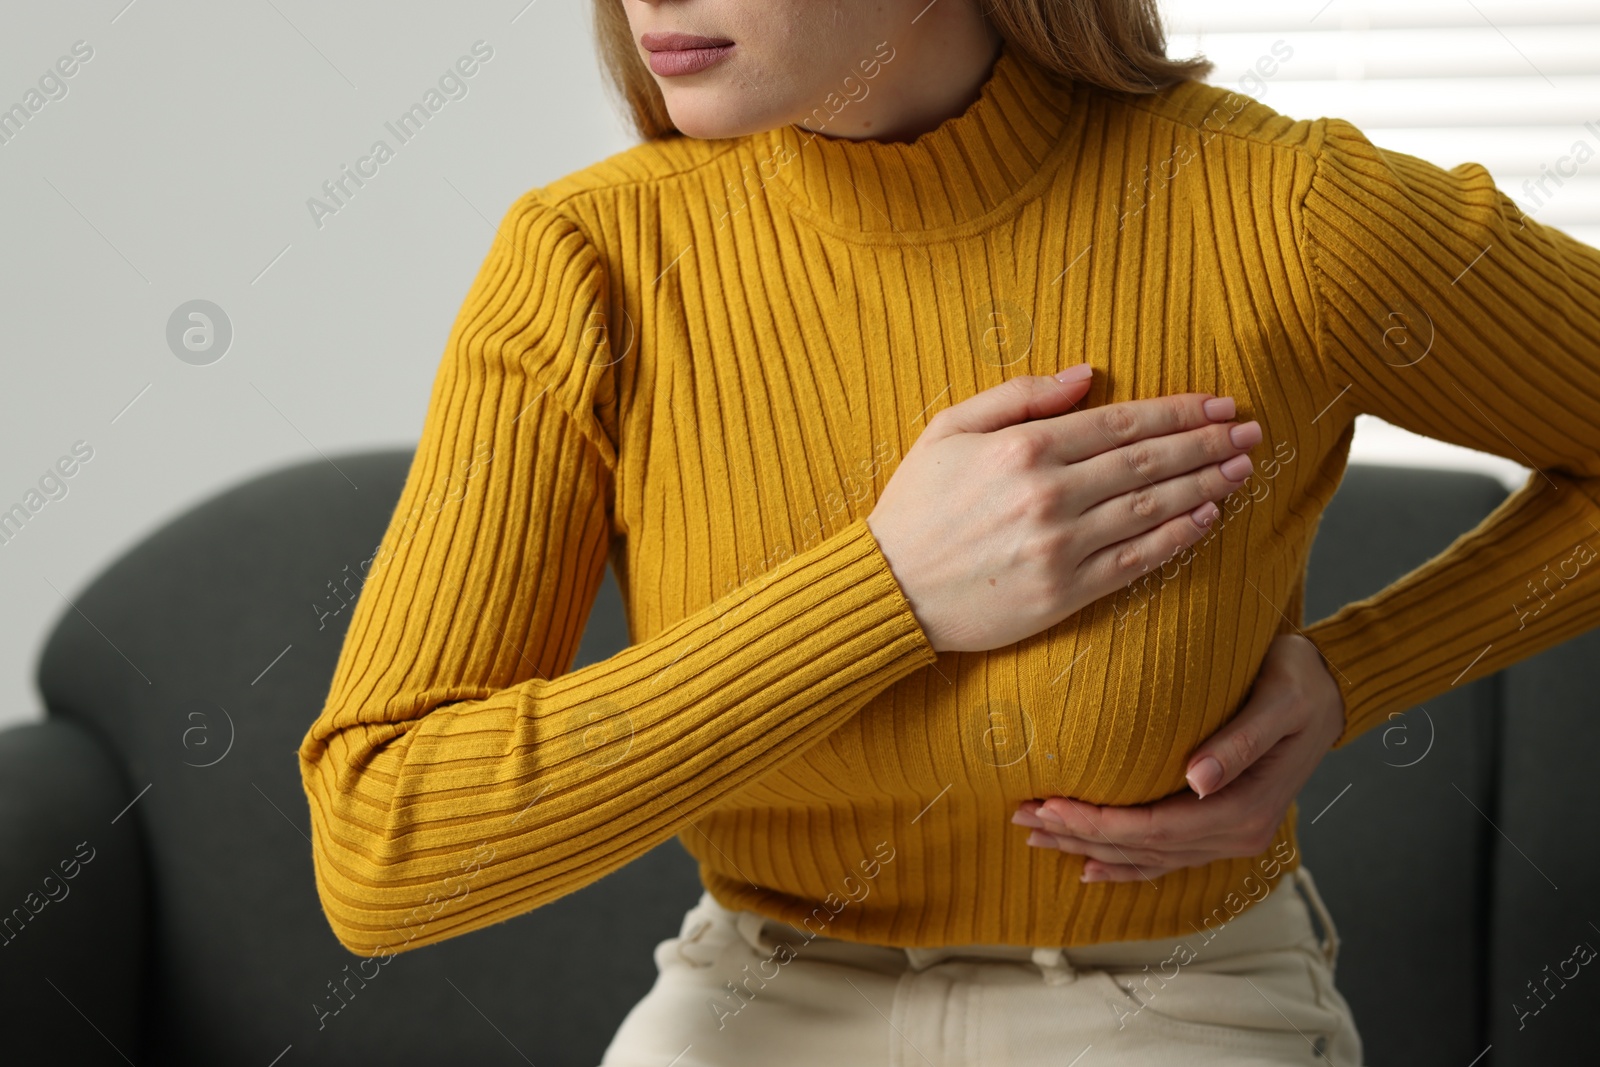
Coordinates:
(459, 772)
(1444, 310)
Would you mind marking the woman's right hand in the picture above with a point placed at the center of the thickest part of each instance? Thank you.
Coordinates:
(1006, 515)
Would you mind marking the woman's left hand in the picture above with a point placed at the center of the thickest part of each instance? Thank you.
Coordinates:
(1262, 757)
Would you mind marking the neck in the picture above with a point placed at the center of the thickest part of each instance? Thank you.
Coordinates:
(985, 159)
(931, 78)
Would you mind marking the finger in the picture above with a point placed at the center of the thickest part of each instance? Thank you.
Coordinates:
(1179, 822)
(1142, 859)
(1239, 835)
(1135, 512)
(1272, 713)
(1118, 565)
(1178, 471)
(1015, 400)
(1085, 820)
(1114, 856)
(1220, 826)
(1113, 872)
(1080, 435)
(1024, 817)
(1098, 850)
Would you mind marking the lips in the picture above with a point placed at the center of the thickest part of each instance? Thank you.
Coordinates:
(673, 54)
(675, 42)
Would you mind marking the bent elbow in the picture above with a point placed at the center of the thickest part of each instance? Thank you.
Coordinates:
(373, 909)
(359, 892)
(378, 896)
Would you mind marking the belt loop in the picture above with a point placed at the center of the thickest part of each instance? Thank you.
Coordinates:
(691, 937)
(750, 925)
(1054, 965)
(1308, 890)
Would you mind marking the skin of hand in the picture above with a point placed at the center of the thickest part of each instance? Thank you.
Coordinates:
(1264, 755)
(1013, 511)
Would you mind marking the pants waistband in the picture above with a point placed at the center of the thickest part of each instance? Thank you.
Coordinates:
(1291, 904)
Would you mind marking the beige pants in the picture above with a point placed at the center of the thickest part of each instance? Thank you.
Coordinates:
(735, 988)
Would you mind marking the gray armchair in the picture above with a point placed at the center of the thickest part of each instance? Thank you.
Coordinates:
(157, 869)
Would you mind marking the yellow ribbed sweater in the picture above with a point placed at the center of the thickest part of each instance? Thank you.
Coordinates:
(702, 359)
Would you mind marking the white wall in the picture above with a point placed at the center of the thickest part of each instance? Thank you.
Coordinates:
(177, 167)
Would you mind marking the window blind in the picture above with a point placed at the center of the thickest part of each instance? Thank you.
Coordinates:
(1511, 84)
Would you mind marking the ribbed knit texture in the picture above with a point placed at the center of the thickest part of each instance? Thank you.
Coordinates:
(702, 361)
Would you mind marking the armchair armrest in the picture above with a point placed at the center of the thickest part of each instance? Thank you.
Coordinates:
(72, 900)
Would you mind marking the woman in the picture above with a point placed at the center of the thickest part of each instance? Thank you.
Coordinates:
(893, 583)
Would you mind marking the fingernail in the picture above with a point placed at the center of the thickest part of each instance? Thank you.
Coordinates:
(1237, 468)
(1219, 409)
(1205, 514)
(1039, 837)
(1075, 373)
(1245, 434)
(1205, 775)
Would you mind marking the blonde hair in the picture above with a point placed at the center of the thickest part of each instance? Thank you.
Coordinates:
(1114, 44)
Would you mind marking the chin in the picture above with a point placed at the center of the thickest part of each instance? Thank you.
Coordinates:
(705, 119)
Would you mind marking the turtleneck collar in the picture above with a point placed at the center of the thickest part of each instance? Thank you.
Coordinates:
(948, 180)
